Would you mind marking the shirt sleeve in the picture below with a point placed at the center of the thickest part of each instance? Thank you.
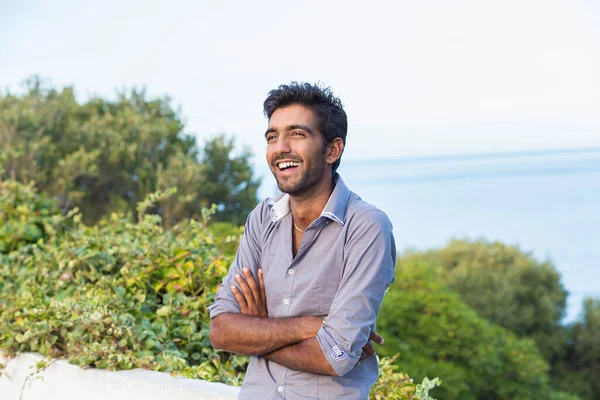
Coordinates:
(369, 260)
(248, 255)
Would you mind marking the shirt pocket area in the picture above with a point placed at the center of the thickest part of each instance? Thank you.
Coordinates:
(327, 288)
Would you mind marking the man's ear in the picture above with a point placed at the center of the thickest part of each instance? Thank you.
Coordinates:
(334, 150)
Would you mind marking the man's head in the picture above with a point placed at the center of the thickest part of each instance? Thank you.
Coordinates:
(307, 127)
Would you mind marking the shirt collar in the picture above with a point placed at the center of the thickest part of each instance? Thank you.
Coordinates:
(335, 209)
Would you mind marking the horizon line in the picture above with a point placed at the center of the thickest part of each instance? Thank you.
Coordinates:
(474, 156)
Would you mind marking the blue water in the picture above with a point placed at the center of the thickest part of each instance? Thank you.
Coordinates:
(547, 202)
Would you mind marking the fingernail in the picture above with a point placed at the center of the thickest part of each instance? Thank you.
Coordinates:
(381, 341)
(260, 271)
(237, 276)
(245, 269)
(232, 287)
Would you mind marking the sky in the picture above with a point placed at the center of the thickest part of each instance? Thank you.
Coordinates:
(417, 78)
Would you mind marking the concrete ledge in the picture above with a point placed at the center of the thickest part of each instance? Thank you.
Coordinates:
(63, 381)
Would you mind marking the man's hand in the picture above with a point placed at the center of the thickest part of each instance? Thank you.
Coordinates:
(368, 349)
(252, 299)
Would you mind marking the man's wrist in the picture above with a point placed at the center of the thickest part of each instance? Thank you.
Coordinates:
(310, 327)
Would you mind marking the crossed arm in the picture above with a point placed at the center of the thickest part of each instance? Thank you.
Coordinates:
(290, 342)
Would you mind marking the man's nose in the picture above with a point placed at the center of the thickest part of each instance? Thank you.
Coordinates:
(282, 145)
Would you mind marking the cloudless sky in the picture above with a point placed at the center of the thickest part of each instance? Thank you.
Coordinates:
(416, 77)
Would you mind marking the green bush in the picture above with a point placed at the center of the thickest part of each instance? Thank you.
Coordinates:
(118, 295)
(226, 236)
(395, 385)
(508, 287)
(579, 369)
(25, 216)
(563, 396)
(437, 334)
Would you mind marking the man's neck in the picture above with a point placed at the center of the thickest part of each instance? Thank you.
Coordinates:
(309, 206)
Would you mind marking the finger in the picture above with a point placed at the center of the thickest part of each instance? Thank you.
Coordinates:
(261, 285)
(376, 338)
(246, 290)
(252, 284)
(369, 348)
(363, 355)
(239, 298)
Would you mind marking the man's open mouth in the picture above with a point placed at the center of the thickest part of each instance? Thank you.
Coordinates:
(287, 165)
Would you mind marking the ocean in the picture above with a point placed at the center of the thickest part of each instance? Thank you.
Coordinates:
(547, 202)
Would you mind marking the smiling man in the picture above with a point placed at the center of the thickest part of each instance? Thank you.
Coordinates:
(304, 290)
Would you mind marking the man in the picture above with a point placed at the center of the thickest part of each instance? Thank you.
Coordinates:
(304, 290)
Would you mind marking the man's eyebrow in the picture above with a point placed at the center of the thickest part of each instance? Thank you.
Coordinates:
(270, 130)
(291, 128)
(302, 127)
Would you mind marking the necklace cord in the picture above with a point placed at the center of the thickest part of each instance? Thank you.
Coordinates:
(298, 228)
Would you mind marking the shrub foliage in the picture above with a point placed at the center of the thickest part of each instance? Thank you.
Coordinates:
(436, 333)
(117, 295)
(25, 216)
(507, 287)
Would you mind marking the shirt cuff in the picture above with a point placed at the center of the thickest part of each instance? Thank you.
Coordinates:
(222, 307)
(338, 353)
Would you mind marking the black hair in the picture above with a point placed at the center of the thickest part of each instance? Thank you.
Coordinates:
(331, 117)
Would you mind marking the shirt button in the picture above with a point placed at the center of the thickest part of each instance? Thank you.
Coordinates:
(280, 389)
(286, 301)
(290, 271)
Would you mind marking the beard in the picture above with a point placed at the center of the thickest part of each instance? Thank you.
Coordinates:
(308, 178)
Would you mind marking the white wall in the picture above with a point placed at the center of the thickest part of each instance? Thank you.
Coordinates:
(69, 382)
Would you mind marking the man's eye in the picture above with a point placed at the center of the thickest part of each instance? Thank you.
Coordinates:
(297, 133)
(270, 138)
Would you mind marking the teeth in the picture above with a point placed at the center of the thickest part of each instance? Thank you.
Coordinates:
(288, 164)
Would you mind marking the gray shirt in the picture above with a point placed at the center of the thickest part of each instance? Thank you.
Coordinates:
(342, 269)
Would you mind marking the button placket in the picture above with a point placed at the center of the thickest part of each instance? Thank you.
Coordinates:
(288, 285)
(286, 293)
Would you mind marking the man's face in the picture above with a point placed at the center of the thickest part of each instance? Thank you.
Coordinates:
(296, 150)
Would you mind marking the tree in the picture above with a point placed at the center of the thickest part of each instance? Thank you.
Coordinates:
(229, 180)
(104, 156)
(508, 287)
(437, 334)
(580, 367)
